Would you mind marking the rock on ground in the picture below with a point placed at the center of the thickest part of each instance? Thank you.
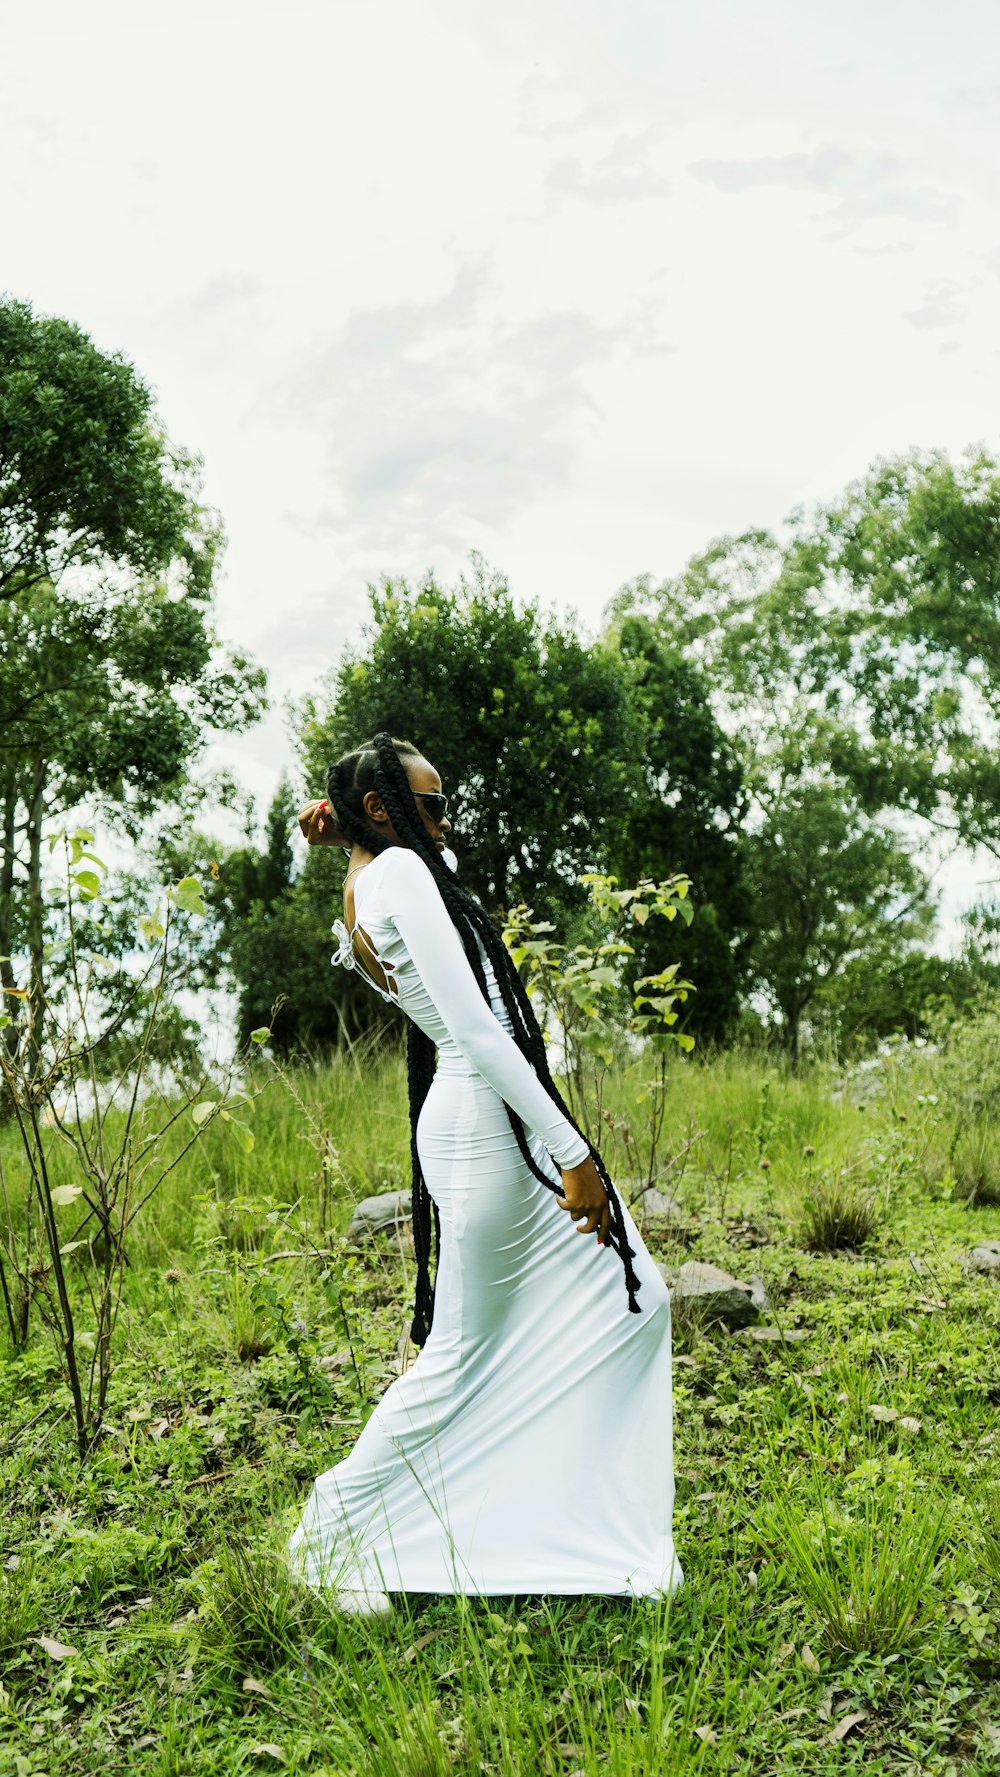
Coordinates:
(654, 1206)
(387, 1213)
(714, 1295)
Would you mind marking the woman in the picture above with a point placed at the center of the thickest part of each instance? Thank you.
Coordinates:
(528, 1448)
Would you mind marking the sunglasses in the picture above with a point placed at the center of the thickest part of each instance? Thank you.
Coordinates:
(435, 802)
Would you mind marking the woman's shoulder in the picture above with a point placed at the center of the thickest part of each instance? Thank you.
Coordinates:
(392, 872)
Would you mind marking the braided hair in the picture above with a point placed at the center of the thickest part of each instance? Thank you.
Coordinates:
(378, 765)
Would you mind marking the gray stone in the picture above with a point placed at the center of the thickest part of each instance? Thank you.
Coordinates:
(387, 1213)
(712, 1294)
(655, 1206)
(985, 1257)
(773, 1335)
(758, 1294)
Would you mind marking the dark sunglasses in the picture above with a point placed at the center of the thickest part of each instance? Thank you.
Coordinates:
(435, 802)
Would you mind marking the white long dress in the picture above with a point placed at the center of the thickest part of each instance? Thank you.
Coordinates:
(528, 1449)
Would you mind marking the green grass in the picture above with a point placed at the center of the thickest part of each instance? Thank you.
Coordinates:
(837, 1515)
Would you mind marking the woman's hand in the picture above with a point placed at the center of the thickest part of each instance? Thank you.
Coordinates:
(584, 1195)
(318, 826)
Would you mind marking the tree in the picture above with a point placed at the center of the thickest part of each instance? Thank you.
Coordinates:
(111, 677)
(686, 818)
(833, 892)
(908, 993)
(854, 664)
(882, 614)
(119, 696)
(532, 730)
(87, 475)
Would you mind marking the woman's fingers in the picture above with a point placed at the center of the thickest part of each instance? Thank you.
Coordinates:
(314, 821)
(596, 1217)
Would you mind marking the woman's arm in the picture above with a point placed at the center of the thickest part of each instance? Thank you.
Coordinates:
(413, 905)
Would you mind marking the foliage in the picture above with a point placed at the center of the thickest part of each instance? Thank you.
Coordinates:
(87, 475)
(832, 890)
(267, 934)
(863, 714)
(114, 1135)
(687, 817)
(879, 613)
(111, 700)
(581, 990)
(557, 755)
(963, 1070)
(531, 729)
(111, 677)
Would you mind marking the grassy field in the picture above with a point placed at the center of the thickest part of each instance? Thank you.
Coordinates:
(838, 1510)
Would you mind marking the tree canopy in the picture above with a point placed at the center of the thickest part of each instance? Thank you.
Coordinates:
(87, 474)
(112, 679)
(531, 729)
(853, 668)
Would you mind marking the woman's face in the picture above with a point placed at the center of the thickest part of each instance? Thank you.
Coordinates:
(422, 776)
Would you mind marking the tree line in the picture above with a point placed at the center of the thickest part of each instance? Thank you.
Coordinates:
(804, 724)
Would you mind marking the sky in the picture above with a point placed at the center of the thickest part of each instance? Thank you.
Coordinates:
(575, 286)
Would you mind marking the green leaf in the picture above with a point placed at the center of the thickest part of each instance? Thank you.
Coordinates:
(70, 1247)
(260, 1036)
(66, 1194)
(201, 1112)
(88, 883)
(188, 895)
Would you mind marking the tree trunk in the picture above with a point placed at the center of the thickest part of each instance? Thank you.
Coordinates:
(8, 1002)
(36, 922)
(36, 912)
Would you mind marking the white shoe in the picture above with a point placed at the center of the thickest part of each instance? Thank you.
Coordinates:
(363, 1604)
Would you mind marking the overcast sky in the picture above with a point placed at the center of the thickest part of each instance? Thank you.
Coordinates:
(576, 285)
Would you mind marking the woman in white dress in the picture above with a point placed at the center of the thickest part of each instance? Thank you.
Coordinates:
(528, 1449)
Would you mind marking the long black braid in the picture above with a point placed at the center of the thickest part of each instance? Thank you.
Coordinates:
(377, 765)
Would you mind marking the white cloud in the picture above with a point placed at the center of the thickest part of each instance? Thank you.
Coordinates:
(446, 412)
(941, 307)
(621, 176)
(867, 186)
